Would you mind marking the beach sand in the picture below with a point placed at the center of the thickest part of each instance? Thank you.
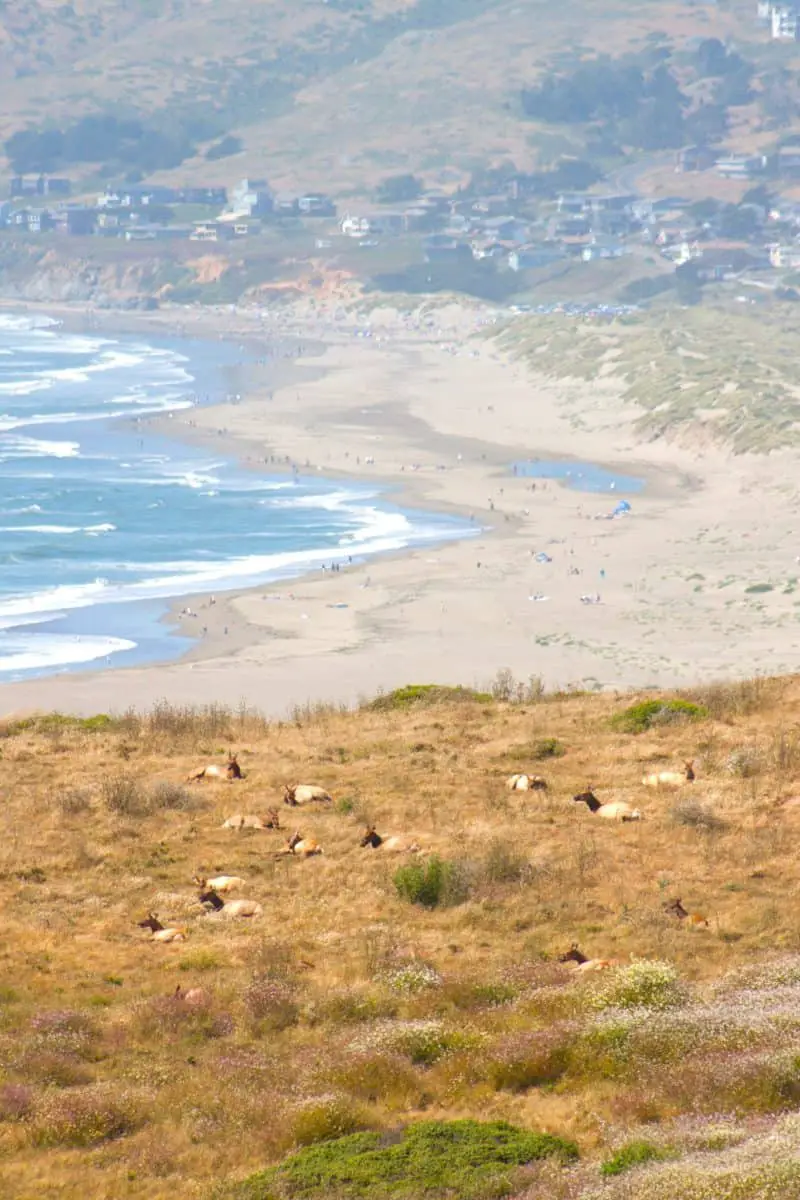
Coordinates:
(438, 416)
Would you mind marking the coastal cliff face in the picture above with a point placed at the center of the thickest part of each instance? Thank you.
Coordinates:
(118, 274)
(128, 276)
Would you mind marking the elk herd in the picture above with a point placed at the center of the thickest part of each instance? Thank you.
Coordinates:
(214, 892)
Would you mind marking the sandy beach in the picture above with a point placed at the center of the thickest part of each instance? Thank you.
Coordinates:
(437, 416)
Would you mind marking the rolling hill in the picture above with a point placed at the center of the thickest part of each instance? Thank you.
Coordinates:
(374, 991)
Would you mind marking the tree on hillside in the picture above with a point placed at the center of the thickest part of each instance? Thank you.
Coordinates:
(397, 189)
(224, 148)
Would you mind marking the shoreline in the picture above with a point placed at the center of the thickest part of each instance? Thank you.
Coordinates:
(436, 426)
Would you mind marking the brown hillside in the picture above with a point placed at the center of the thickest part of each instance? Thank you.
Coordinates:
(303, 1029)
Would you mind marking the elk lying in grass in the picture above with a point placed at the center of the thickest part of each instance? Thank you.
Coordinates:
(676, 909)
(526, 783)
(220, 883)
(670, 778)
(195, 997)
(389, 845)
(618, 810)
(585, 965)
(231, 770)
(300, 847)
(159, 934)
(233, 908)
(247, 821)
(305, 793)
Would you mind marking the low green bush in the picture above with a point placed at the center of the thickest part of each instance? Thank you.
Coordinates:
(633, 1154)
(434, 1159)
(435, 883)
(640, 717)
(55, 722)
(548, 748)
(426, 695)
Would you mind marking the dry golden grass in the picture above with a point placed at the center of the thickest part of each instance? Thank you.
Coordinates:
(177, 1099)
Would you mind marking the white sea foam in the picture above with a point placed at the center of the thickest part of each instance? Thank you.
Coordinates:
(104, 528)
(42, 651)
(13, 321)
(40, 528)
(154, 405)
(26, 447)
(24, 387)
(185, 578)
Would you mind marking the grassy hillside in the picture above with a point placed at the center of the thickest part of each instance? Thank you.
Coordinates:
(374, 992)
(331, 94)
(718, 373)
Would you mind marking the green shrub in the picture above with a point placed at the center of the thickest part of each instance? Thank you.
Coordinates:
(632, 1154)
(548, 748)
(432, 884)
(434, 1159)
(640, 717)
(426, 695)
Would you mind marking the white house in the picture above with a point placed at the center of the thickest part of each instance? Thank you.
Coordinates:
(784, 23)
(355, 226)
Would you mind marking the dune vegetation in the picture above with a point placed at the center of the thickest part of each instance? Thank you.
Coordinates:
(393, 1025)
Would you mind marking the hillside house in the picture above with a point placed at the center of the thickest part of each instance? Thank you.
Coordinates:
(532, 258)
(784, 23)
(211, 231)
(573, 202)
(355, 226)
(694, 158)
(440, 248)
(252, 197)
(787, 162)
(506, 229)
(31, 220)
(598, 249)
(43, 185)
(741, 166)
(785, 257)
(213, 197)
(483, 249)
(79, 221)
(316, 204)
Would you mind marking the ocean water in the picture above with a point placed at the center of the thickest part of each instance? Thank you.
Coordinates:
(103, 522)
